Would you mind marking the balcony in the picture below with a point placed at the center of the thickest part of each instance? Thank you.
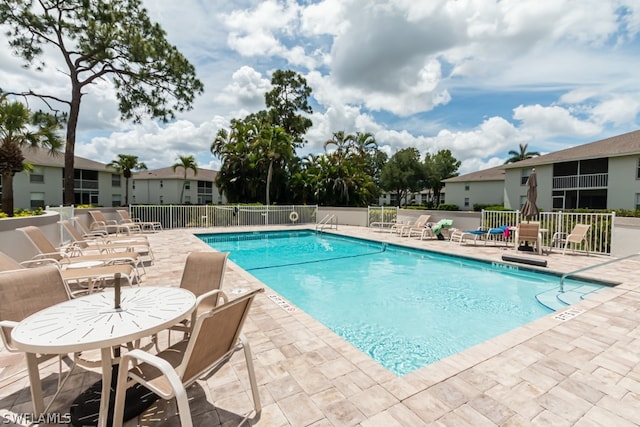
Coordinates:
(596, 180)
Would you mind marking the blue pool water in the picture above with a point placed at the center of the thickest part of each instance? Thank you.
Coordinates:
(405, 308)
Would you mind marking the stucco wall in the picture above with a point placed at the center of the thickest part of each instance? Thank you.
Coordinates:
(623, 185)
(483, 192)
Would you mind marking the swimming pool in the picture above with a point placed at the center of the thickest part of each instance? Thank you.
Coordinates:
(406, 308)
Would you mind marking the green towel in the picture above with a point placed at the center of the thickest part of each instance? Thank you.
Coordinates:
(443, 223)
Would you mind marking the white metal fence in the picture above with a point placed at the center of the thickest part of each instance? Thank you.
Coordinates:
(599, 236)
(180, 216)
(382, 214)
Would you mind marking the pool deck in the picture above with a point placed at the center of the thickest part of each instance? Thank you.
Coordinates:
(579, 366)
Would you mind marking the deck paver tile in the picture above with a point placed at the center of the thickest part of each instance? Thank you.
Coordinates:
(426, 406)
(281, 388)
(491, 408)
(382, 419)
(454, 392)
(403, 387)
(312, 380)
(627, 408)
(581, 390)
(520, 399)
(405, 416)
(300, 409)
(373, 400)
(605, 418)
(570, 408)
(548, 418)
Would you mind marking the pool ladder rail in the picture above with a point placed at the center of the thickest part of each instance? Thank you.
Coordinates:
(557, 299)
(329, 221)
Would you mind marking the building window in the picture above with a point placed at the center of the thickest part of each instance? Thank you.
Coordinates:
(187, 185)
(116, 200)
(161, 184)
(37, 176)
(466, 187)
(466, 202)
(524, 176)
(637, 201)
(37, 200)
(134, 184)
(523, 199)
(115, 180)
(161, 200)
(638, 170)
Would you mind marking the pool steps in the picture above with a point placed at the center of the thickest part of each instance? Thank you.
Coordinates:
(556, 300)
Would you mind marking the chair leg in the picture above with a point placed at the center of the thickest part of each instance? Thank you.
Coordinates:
(252, 374)
(183, 407)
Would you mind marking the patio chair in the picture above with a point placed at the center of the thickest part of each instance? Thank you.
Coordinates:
(151, 226)
(101, 223)
(46, 249)
(24, 291)
(577, 236)
(203, 272)
(482, 233)
(217, 334)
(103, 245)
(529, 232)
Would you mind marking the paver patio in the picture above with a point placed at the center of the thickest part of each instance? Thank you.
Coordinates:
(581, 368)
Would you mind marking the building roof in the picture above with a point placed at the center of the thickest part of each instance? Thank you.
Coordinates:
(41, 157)
(169, 173)
(622, 145)
(491, 174)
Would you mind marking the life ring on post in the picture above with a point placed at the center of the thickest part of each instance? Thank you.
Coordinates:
(293, 216)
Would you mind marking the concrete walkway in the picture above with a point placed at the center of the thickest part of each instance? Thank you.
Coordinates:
(577, 367)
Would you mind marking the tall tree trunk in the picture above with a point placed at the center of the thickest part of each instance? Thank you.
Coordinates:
(269, 176)
(69, 150)
(7, 193)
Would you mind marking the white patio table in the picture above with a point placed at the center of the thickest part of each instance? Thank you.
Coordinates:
(91, 322)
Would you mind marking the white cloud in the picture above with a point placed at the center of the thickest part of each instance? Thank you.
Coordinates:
(396, 68)
(550, 121)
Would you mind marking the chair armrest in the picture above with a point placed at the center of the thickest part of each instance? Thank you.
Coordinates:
(40, 261)
(7, 324)
(137, 355)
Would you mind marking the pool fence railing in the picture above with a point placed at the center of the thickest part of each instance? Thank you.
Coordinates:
(190, 216)
(599, 236)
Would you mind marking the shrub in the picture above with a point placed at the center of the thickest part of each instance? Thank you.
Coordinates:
(448, 207)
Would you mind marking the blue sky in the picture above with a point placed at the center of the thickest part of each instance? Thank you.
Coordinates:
(477, 77)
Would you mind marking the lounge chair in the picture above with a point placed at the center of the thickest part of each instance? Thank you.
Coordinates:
(103, 245)
(125, 218)
(577, 236)
(529, 232)
(217, 334)
(484, 234)
(111, 226)
(419, 223)
(77, 276)
(47, 250)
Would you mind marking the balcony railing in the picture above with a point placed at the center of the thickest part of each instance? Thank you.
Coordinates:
(596, 180)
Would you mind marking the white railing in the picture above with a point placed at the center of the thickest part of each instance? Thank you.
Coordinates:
(329, 221)
(596, 180)
(66, 214)
(181, 216)
(382, 214)
(562, 222)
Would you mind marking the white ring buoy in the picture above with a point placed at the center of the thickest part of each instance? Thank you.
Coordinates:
(293, 216)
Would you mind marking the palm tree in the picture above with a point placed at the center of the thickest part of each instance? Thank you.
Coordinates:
(20, 128)
(186, 163)
(125, 165)
(523, 154)
(275, 145)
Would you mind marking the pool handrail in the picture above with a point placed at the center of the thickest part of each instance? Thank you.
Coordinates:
(580, 270)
